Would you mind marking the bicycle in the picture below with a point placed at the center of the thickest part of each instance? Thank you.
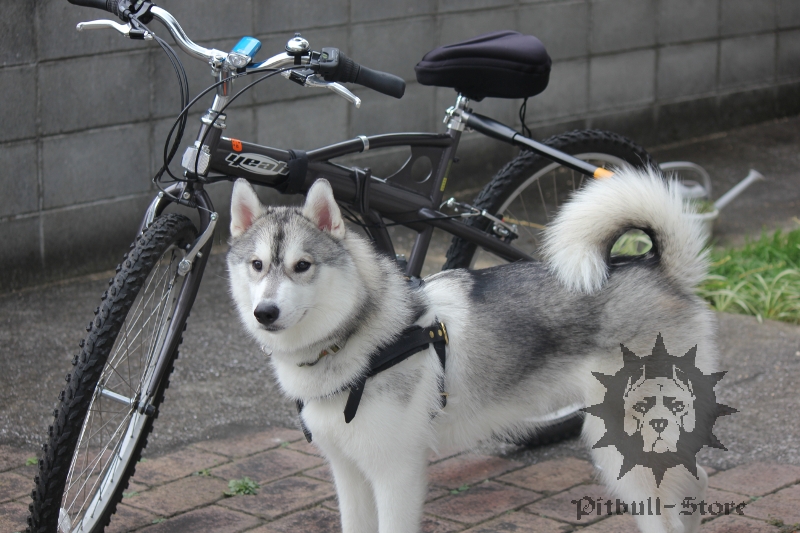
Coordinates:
(113, 393)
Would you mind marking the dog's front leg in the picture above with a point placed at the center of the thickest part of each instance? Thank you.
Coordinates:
(400, 488)
(354, 492)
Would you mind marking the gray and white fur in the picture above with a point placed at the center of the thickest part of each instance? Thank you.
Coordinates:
(524, 338)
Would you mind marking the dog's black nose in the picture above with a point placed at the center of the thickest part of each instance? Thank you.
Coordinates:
(659, 424)
(267, 313)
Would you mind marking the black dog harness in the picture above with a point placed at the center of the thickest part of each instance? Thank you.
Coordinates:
(411, 341)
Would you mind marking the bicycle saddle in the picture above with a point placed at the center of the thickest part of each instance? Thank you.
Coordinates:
(501, 64)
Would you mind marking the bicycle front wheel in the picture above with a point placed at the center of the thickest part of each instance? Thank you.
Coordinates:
(104, 416)
(528, 193)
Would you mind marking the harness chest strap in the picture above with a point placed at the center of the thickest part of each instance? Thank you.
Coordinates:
(411, 341)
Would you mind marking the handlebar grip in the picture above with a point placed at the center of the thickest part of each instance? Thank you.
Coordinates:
(383, 82)
(112, 6)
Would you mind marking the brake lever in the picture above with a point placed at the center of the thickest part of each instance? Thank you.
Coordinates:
(316, 81)
(306, 78)
(125, 29)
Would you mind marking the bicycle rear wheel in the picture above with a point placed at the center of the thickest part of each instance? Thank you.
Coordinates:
(104, 416)
(528, 192)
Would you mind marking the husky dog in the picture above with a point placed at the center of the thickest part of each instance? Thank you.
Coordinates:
(659, 408)
(524, 338)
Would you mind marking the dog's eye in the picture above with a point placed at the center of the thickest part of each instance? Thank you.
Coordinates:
(302, 266)
(674, 405)
(257, 265)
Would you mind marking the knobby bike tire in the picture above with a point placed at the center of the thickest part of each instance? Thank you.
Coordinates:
(510, 184)
(140, 300)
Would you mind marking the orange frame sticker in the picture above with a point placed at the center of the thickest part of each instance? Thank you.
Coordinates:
(236, 144)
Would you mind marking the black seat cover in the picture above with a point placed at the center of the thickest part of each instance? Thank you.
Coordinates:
(501, 64)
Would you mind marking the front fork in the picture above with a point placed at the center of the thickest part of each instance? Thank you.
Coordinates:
(192, 267)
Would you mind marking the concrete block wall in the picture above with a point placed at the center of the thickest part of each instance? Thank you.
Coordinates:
(84, 115)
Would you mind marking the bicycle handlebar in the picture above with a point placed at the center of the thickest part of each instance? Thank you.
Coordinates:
(351, 72)
(112, 6)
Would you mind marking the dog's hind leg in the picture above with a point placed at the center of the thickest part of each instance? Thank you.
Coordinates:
(356, 501)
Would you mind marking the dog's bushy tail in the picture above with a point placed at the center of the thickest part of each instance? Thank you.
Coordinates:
(576, 244)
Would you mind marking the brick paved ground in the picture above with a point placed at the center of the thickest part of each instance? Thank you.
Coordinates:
(183, 492)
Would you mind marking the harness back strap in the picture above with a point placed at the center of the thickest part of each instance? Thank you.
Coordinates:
(413, 340)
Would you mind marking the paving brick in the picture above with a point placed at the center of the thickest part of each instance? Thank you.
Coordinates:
(438, 525)
(213, 519)
(562, 27)
(551, 476)
(737, 524)
(622, 79)
(180, 496)
(567, 94)
(747, 61)
(469, 469)
(13, 457)
(242, 445)
(755, 479)
(687, 70)
(13, 517)
(745, 16)
(16, 32)
(286, 125)
(686, 20)
(561, 507)
(18, 181)
(789, 55)
(518, 522)
(611, 32)
(175, 465)
(361, 10)
(614, 524)
(13, 486)
(304, 446)
(714, 496)
(18, 119)
(783, 504)
(323, 473)
(369, 41)
(94, 91)
(318, 520)
(128, 518)
(88, 166)
(481, 502)
(268, 466)
(282, 497)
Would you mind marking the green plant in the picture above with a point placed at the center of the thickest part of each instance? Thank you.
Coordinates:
(244, 486)
(459, 490)
(31, 461)
(633, 242)
(762, 278)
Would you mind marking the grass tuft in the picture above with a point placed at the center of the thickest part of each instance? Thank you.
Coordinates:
(761, 279)
(244, 486)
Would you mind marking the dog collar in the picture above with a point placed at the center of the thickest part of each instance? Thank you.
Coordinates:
(332, 349)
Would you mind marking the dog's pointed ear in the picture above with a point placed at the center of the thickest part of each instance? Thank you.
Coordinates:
(245, 207)
(321, 209)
